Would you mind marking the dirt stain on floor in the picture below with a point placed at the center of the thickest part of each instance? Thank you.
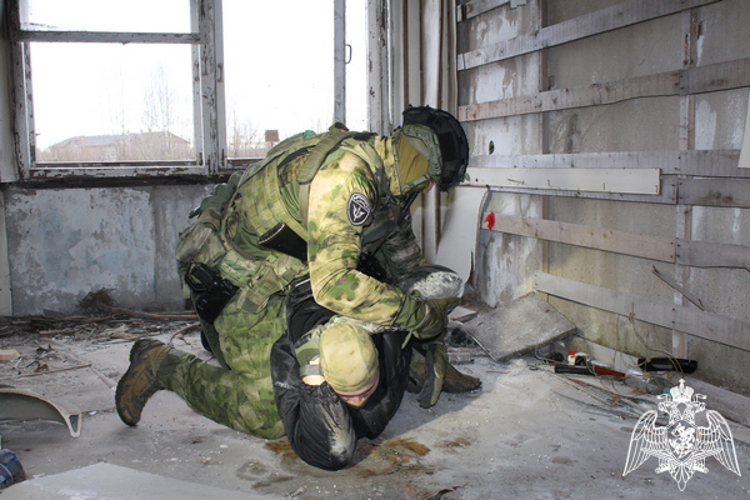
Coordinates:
(371, 457)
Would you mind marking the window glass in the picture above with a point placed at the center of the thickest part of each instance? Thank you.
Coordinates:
(278, 71)
(112, 102)
(356, 68)
(160, 16)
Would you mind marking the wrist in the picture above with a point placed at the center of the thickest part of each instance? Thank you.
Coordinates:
(412, 313)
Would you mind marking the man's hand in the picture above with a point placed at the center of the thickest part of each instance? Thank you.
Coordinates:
(436, 317)
(425, 318)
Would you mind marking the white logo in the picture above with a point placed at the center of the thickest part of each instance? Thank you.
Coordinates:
(681, 446)
(358, 209)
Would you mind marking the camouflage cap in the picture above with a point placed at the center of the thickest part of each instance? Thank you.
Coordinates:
(348, 358)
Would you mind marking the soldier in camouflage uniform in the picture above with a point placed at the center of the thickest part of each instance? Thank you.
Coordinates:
(282, 248)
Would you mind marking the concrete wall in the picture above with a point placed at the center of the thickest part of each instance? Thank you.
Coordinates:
(506, 263)
(58, 244)
(65, 243)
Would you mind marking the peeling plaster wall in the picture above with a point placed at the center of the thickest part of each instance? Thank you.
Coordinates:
(505, 263)
(65, 243)
(638, 125)
(719, 123)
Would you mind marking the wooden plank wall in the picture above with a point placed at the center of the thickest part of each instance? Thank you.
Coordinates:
(683, 177)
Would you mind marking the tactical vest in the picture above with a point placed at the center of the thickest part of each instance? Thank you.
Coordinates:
(260, 271)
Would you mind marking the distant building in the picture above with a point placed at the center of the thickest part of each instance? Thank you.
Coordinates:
(126, 147)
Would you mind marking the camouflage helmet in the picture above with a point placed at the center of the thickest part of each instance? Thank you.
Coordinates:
(439, 137)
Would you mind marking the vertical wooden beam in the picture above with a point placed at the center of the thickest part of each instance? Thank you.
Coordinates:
(212, 68)
(221, 112)
(406, 48)
(23, 115)
(398, 57)
(543, 86)
(200, 156)
(339, 61)
(684, 215)
(377, 73)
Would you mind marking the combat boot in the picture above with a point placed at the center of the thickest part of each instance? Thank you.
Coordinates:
(140, 383)
(453, 380)
(457, 382)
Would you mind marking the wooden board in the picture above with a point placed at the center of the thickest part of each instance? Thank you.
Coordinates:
(595, 94)
(637, 245)
(715, 192)
(715, 77)
(706, 254)
(601, 21)
(106, 37)
(679, 251)
(705, 163)
(640, 181)
(668, 195)
(518, 328)
(728, 331)
(474, 8)
(710, 78)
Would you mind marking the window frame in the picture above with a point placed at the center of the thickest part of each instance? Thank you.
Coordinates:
(206, 39)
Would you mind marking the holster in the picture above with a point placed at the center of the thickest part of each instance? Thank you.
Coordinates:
(211, 292)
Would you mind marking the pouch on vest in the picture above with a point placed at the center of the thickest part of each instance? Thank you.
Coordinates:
(283, 239)
(199, 243)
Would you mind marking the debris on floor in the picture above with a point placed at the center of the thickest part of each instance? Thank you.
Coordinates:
(518, 328)
(8, 354)
(22, 405)
(527, 433)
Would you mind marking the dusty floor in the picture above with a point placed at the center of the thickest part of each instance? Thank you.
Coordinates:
(527, 434)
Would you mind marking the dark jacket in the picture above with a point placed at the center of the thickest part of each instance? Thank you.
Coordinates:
(321, 428)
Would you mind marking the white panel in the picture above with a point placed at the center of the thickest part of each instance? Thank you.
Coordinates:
(640, 181)
(458, 238)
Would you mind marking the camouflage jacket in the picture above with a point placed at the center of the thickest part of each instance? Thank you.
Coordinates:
(351, 209)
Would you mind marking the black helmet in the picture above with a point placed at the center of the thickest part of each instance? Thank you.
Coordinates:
(454, 147)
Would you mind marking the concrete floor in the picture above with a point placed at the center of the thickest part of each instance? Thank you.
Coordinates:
(527, 434)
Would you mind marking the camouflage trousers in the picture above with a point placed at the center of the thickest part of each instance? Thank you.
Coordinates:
(240, 397)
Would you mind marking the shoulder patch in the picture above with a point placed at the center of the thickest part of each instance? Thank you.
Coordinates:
(358, 209)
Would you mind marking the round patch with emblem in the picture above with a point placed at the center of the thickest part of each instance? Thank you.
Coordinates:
(358, 209)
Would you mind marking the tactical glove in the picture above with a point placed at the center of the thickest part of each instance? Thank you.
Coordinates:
(436, 360)
(426, 318)
(436, 318)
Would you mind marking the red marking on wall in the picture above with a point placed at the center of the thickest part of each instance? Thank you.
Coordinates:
(490, 220)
